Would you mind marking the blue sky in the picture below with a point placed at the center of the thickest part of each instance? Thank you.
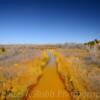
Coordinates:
(49, 21)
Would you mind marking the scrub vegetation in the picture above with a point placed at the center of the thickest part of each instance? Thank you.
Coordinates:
(71, 68)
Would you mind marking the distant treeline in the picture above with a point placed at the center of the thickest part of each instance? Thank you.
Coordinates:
(92, 43)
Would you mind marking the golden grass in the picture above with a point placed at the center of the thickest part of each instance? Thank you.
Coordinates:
(75, 77)
(69, 73)
(26, 73)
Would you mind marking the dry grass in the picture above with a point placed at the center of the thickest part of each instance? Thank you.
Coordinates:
(78, 68)
(80, 79)
(17, 78)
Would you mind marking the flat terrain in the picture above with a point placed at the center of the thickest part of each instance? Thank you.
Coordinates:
(49, 73)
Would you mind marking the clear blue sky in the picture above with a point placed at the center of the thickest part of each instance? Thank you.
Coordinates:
(49, 21)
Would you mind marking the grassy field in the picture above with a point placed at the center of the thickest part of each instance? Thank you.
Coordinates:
(49, 72)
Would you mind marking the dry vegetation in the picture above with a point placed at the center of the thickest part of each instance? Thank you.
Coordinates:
(15, 79)
(80, 71)
(78, 67)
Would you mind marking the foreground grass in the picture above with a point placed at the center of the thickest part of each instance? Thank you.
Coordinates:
(52, 74)
(81, 84)
(27, 73)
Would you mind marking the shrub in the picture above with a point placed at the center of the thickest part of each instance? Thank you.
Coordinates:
(2, 50)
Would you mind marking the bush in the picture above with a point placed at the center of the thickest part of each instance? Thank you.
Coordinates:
(2, 49)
